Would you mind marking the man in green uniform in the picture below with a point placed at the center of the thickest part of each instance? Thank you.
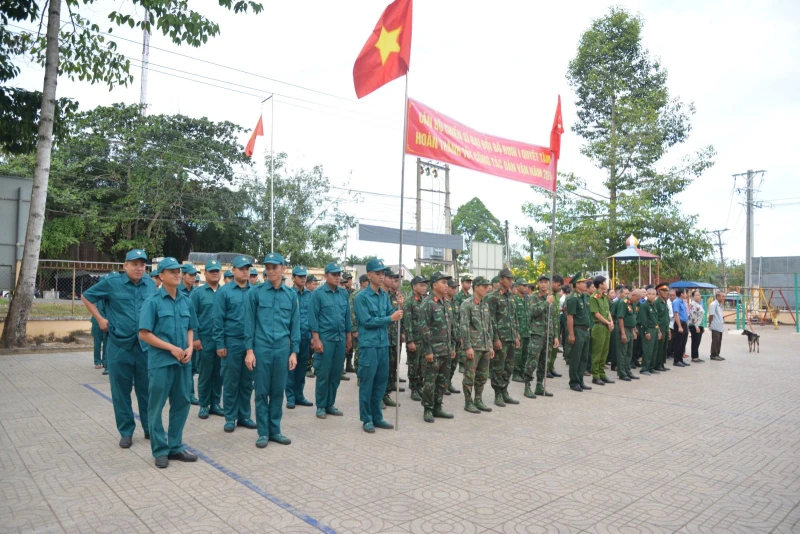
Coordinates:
(237, 378)
(209, 381)
(521, 301)
(254, 280)
(578, 323)
(227, 277)
(506, 337)
(311, 284)
(462, 295)
(626, 311)
(167, 323)
(123, 295)
(347, 283)
(647, 319)
(363, 282)
(272, 339)
(599, 307)
(390, 284)
(374, 314)
(476, 330)
(100, 340)
(156, 278)
(331, 324)
(437, 340)
(188, 275)
(495, 283)
(542, 304)
(296, 380)
(555, 285)
(450, 299)
(411, 326)
(662, 309)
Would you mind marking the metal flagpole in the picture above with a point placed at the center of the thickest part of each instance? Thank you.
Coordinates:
(400, 260)
(552, 267)
(271, 178)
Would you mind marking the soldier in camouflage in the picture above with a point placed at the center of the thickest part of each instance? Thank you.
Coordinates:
(476, 329)
(461, 296)
(542, 303)
(347, 283)
(521, 301)
(452, 287)
(555, 285)
(506, 337)
(419, 289)
(437, 337)
(390, 284)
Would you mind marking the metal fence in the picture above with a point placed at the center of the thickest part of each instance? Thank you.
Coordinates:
(65, 281)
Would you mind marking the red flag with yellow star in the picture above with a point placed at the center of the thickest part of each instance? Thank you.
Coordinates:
(387, 53)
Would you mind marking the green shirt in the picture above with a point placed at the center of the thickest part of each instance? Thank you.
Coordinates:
(204, 302)
(521, 305)
(271, 319)
(374, 315)
(170, 320)
(598, 303)
(504, 315)
(123, 300)
(229, 322)
(627, 311)
(475, 325)
(411, 318)
(579, 309)
(461, 297)
(329, 313)
(647, 317)
(437, 326)
(663, 314)
(538, 315)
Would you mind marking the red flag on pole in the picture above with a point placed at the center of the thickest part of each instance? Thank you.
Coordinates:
(387, 53)
(251, 144)
(555, 133)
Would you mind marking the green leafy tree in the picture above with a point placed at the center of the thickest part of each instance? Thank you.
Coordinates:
(475, 222)
(81, 52)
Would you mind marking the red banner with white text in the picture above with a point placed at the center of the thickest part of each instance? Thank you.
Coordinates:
(433, 135)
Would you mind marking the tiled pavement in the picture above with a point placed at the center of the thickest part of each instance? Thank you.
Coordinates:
(711, 448)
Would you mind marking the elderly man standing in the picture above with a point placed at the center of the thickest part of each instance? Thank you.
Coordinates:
(717, 325)
(330, 323)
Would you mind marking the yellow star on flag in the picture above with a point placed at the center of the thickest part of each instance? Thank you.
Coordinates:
(387, 43)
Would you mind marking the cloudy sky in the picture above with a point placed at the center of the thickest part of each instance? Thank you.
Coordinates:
(497, 67)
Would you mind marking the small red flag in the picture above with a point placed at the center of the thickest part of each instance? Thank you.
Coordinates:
(251, 144)
(387, 53)
(555, 133)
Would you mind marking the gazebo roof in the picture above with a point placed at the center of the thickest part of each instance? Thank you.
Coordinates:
(633, 253)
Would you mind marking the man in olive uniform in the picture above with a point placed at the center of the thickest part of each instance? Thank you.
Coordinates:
(462, 295)
(506, 337)
(209, 381)
(450, 299)
(579, 322)
(347, 283)
(374, 314)
(522, 301)
(123, 295)
(476, 331)
(411, 326)
(272, 339)
(237, 378)
(167, 324)
(100, 339)
(437, 339)
(555, 285)
(542, 304)
(599, 307)
(626, 311)
(390, 284)
(647, 320)
(330, 323)
(662, 309)
(296, 380)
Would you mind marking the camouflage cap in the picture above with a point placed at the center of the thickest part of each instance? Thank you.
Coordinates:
(520, 282)
(439, 275)
(495, 279)
(419, 280)
(452, 283)
(505, 273)
(481, 281)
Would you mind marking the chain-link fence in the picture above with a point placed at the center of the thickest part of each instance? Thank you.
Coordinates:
(63, 281)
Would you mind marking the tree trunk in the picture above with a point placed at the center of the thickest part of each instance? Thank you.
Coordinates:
(16, 325)
(612, 183)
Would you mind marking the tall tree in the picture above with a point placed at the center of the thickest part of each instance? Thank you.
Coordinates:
(475, 222)
(627, 117)
(87, 56)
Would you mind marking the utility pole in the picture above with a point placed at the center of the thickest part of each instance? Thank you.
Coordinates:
(448, 253)
(418, 261)
(749, 238)
(722, 258)
(145, 66)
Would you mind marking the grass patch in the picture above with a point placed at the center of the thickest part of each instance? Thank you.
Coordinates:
(49, 309)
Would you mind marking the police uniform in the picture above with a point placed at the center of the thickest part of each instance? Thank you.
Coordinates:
(209, 365)
(296, 379)
(601, 335)
(272, 333)
(237, 379)
(170, 319)
(126, 356)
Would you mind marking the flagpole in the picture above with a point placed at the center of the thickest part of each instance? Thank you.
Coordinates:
(271, 178)
(400, 260)
(552, 269)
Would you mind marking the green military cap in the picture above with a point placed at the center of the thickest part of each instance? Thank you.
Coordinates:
(452, 282)
(578, 278)
(520, 282)
(333, 268)
(347, 275)
(213, 265)
(439, 275)
(466, 277)
(273, 258)
(253, 271)
(376, 265)
(481, 281)
(419, 280)
(495, 279)
(505, 273)
(136, 254)
(392, 274)
(168, 263)
(311, 278)
(242, 261)
(299, 270)
(543, 277)
(188, 268)
(228, 274)
(155, 270)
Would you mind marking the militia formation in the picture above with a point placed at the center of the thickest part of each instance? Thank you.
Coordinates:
(154, 331)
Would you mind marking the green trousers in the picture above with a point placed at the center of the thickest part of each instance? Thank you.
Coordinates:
(501, 367)
(328, 368)
(296, 379)
(661, 348)
(373, 374)
(100, 345)
(414, 379)
(521, 357)
(127, 370)
(578, 354)
(611, 357)
(601, 337)
(237, 382)
(649, 349)
(624, 352)
(551, 365)
(168, 383)
(269, 377)
(209, 380)
(476, 373)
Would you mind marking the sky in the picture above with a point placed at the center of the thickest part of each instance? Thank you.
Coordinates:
(497, 67)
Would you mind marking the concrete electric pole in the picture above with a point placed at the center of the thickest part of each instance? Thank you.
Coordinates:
(722, 258)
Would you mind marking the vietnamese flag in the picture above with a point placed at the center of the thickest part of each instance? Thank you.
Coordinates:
(251, 144)
(387, 53)
(555, 133)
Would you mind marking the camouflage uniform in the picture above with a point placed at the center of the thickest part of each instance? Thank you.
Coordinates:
(523, 320)
(476, 327)
(394, 340)
(437, 335)
(412, 329)
(538, 357)
(459, 345)
(559, 317)
(505, 329)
